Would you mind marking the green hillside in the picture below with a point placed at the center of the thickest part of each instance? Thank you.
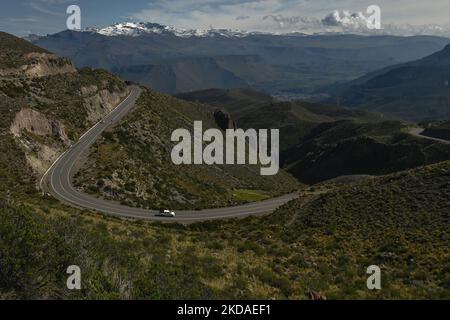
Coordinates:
(132, 163)
(236, 101)
(350, 148)
(13, 50)
(253, 109)
(321, 141)
(324, 241)
(398, 222)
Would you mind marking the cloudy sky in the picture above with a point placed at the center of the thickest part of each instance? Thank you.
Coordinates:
(22, 17)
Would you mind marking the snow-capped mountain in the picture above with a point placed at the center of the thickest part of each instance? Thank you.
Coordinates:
(135, 29)
(175, 60)
(334, 23)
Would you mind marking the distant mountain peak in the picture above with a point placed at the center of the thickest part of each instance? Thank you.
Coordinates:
(135, 29)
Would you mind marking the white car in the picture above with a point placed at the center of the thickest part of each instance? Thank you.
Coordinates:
(166, 213)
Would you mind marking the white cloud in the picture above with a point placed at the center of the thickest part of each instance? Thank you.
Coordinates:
(47, 7)
(218, 13)
(356, 23)
(309, 16)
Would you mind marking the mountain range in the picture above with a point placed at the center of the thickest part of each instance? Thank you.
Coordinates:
(141, 28)
(416, 90)
(321, 141)
(175, 61)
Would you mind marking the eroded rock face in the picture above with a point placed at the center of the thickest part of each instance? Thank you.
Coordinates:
(41, 160)
(39, 155)
(101, 103)
(40, 65)
(37, 123)
(224, 120)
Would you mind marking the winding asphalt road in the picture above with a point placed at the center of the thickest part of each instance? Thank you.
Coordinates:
(417, 132)
(58, 180)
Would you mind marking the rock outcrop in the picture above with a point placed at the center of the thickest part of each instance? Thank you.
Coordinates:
(224, 120)
(38, 124)
(39, 65)
(99, 103)
(40, 152)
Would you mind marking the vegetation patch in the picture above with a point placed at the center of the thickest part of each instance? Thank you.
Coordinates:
(251, 195)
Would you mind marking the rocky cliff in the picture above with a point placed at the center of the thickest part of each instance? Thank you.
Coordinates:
(46, 104)
(36, 64)
(99, 103)
(37, 123)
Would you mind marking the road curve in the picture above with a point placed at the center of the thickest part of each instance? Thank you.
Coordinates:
(59, 181)
(418, 132)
